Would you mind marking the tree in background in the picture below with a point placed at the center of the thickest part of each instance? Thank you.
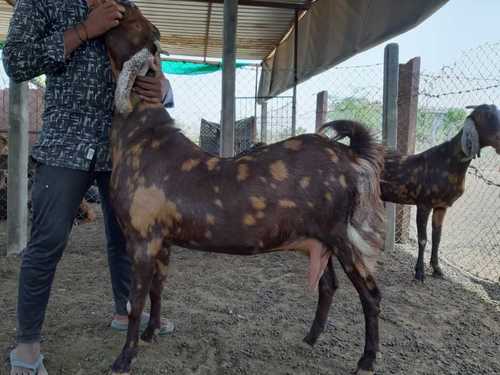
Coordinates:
(433, 125)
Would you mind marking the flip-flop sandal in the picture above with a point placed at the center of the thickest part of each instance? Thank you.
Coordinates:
(15, 361)
(166, 327)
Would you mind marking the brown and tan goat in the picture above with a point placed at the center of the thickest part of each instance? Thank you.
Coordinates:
(434, 179)
(308, 193)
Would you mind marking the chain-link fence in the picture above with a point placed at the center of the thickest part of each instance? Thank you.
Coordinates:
(471, 233)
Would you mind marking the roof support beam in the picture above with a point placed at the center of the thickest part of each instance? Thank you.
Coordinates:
(267, 4)
(207, 30)
(229, 79)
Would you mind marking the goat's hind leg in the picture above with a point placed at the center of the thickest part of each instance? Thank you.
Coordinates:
(142, 270)
(370, 297)
(437, 225)
(161, 266)
(423, 213)
(328, 284)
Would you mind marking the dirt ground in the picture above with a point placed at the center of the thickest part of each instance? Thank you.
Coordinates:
(248, 315)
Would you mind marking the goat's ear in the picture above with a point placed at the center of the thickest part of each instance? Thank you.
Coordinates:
(470, 139)
(138, 65)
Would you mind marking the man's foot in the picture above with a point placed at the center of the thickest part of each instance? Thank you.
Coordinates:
(120, 323)
(26, 359)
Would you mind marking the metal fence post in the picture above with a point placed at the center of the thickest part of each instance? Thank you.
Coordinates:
(389, 124)
(229, 78)
(409, 79)
(17, 189)
(321, 108)
(263, 122)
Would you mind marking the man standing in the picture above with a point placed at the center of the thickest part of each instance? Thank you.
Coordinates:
(63, 40)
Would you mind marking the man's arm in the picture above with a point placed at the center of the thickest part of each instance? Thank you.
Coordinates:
(31, 51)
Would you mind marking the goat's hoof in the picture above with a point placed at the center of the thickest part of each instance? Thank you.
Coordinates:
(360, 371)
(150, 335)
(310, 339)
(438, 273)
(420, 276)
(123, 362)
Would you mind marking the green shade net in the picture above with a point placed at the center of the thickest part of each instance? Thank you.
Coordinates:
(184, 67)
(189, 68)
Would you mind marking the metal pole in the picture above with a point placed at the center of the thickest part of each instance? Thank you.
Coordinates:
(389, 124)
(17, 189)
(295, 79)
(321, 108)
(229, 78)
(256, 91)
(263, 122)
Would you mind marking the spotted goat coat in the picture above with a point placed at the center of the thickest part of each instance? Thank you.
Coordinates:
(308, 193)
(434, 179)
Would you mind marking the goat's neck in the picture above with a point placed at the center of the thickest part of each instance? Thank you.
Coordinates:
(458, 160)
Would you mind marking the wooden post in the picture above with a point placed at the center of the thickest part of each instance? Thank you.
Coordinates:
(17, 189)
(263, 122)
(409, 80)
(295, 72)
(390, 123)
(229, 79)
(321, 108)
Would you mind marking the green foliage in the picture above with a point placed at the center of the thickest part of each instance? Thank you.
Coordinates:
(433, 126)
(359, 109)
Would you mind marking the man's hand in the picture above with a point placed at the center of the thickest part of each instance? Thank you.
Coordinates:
(152, 89)
(104, 15)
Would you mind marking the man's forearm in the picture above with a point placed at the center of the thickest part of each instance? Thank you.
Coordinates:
(73, 38)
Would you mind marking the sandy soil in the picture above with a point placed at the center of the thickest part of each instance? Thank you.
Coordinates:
(247, 315)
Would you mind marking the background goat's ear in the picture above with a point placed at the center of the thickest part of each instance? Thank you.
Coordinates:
(470, 139)
(137, 65)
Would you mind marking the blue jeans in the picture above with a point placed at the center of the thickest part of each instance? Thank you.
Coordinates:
(56, 196)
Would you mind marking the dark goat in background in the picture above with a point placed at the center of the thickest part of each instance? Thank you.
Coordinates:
(308, 193)
(434, 179)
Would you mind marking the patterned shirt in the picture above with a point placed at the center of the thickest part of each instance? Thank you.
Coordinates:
(79, 89)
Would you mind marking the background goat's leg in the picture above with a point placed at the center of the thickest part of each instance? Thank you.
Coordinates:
(423, 213)
(142, 270)
(159, 277)
(369, 295)
(437, 225)
(328, 284)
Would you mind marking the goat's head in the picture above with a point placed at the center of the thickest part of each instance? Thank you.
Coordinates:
(130, 45)
(481, 129)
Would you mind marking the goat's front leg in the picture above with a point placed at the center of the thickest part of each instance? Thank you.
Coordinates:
(423, 213)
(328, 284)
(161, 266)
(370, 297)
(437, 224)
(142, 269)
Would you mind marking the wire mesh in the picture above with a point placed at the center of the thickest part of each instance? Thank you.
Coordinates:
(471, 232)
(355, 92)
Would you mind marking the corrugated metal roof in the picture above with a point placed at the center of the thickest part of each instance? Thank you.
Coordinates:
(194, 27)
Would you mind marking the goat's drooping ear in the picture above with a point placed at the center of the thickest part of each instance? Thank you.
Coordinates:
(470, 139)
(137, 65)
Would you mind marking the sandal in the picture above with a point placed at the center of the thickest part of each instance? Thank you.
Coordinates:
(15, 361)
(167, 326)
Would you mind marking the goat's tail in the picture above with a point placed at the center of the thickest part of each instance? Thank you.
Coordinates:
(366, 229)
(362, 142)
